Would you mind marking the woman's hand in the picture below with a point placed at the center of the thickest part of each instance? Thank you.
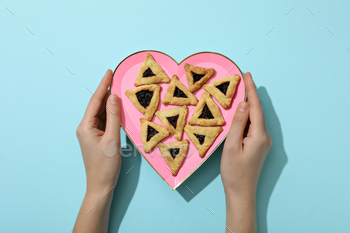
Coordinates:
(242, 161)
(99, 138)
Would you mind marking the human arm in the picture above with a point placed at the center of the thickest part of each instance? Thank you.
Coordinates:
(242, 160)
(99, 139)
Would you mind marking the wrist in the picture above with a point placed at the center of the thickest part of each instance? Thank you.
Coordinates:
(100, 191)
(101, 184)
(241, 212)
(243, 203)
(100, 200)
(241, 196)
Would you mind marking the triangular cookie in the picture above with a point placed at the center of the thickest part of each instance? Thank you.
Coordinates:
(202, 137)
(197, 76)
(174, 154)
(145, 99)
(206, 113)
(150, 72)
(223, 89)
(151, 134)
(178, 94)
(174, 119)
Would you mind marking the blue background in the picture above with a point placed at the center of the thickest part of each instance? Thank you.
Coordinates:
(300, 67)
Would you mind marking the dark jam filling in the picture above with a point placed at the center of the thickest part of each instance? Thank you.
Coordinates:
(197, 77)
(144, 97)
(151, 132)
(200, 138)
(148, 73)
(206, 113)
(173, 120)
(179, 93)
(223, 87)
(174, 152)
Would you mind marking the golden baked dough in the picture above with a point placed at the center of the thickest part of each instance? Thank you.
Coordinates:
(150, 72)
(202, 137)
(177, 88)
(223, 89)
(135, 94)
(206, 113)
(197, 76)
(177, 116)
(179, 147)
(150, 142)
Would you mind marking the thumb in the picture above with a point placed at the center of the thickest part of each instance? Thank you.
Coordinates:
(113, 118)
(238, 125)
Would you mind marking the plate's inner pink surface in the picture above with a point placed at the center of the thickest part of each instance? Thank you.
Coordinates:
(123, 80)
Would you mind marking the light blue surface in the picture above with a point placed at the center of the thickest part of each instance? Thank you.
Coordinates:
(301, 68)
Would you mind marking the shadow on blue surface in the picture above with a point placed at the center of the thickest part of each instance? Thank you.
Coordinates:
(204, 175)
(126, 186)
(274, 163)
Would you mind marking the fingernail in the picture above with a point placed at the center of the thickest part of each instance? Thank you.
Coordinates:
(114, 99)
(243, 106)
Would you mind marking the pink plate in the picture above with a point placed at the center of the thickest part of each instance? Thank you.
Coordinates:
(123, 79)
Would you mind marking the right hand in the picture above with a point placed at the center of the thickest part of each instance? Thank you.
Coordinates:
(243, 157)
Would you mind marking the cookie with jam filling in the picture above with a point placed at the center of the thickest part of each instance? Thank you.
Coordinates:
(202, 137)
(174, 120)
(174, 154)
(150, 72)
(223, 89)
(151, 134)
(145, 98)
(197, 76)
(206, 113)
(178, 94)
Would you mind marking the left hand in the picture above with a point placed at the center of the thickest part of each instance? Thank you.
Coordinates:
(99, 138)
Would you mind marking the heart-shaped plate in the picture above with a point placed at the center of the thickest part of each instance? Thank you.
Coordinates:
(123, 79)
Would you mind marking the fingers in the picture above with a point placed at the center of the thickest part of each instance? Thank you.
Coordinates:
(238, 125)
(255, 109)
(113, 119)
(97, 98)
